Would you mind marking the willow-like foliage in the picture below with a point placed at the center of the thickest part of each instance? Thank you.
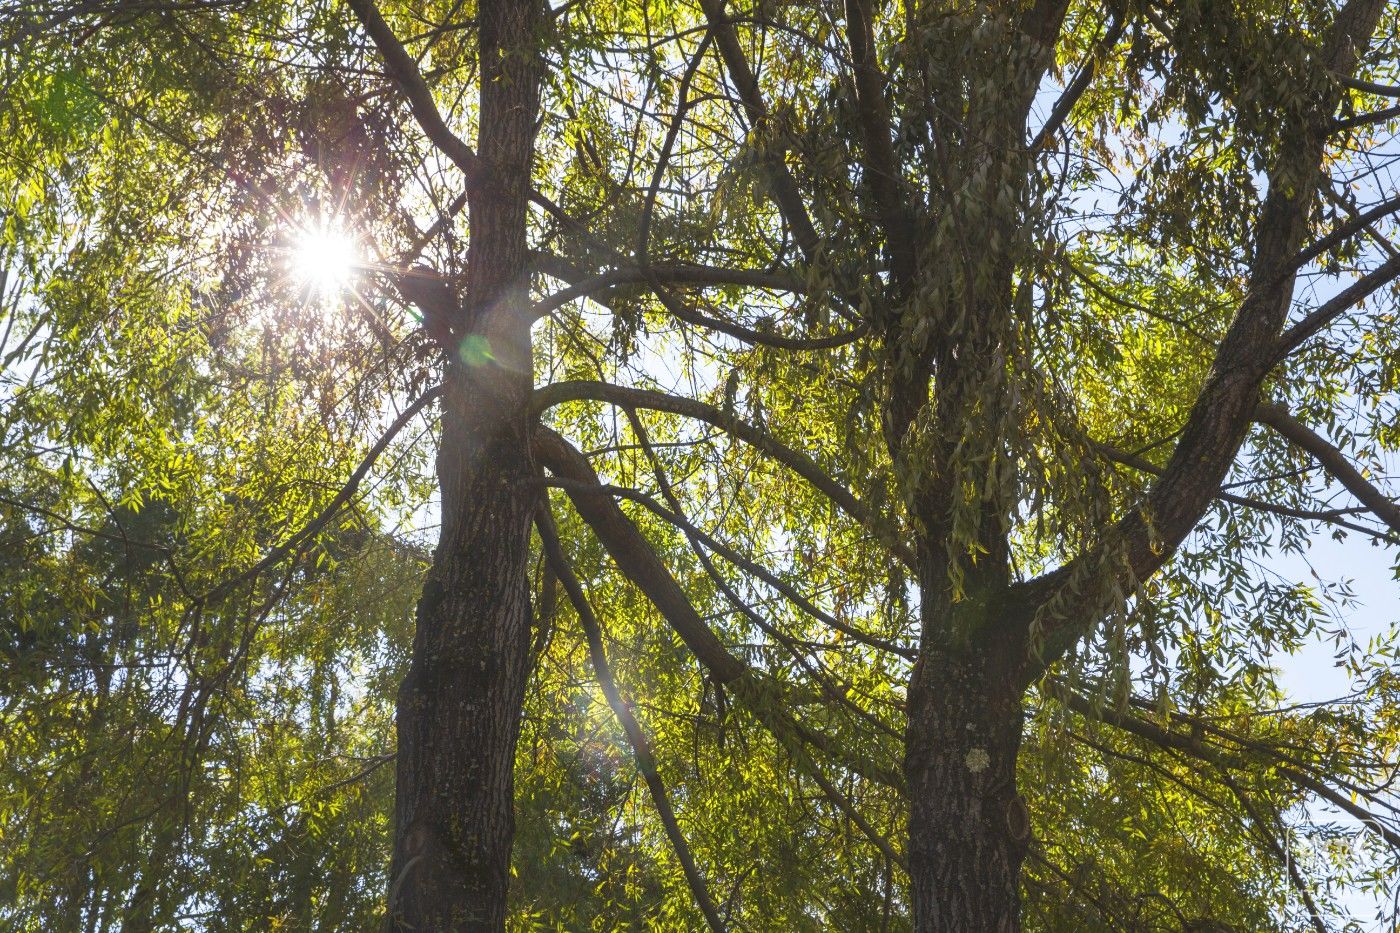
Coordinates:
(870, 342)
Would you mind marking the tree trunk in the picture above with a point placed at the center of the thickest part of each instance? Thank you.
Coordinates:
(968, 827)
(459, 707)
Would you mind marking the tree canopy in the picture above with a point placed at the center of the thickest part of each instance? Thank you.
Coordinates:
(839, 453)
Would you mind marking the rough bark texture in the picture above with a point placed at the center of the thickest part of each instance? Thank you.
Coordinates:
(968, 826)
(459, 706)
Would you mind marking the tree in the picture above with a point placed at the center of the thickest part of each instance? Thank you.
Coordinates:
(906, 392)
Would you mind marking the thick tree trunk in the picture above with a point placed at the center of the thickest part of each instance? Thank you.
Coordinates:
(968, 827)
(460, 705)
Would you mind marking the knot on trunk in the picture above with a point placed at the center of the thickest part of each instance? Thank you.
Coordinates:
(1018, 819)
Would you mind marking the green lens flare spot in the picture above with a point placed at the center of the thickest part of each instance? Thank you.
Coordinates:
(476, 351)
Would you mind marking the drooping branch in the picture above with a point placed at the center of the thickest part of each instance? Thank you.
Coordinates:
(761, 697)
(831, 685)
(847, 807)
(1177, 745)
(1260, 823)
(119, 537)
(634, 556)
(798, 462)
(757, 570)
(1192, 746)
(637, 560)
(405, 73)
(671, 274)
(636, 736)
(659, 277)
(1155, 313)
(1256, 825)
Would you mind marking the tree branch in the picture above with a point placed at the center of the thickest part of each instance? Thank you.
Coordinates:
(637, 560)
(1366, 119)
(1143, 540)
(1333, 461)
(683, 104)
(684, 274)
(1335, 307)
(1077, 87)
(758, 570)
(785, 191)
(332, 508)
(404, 72)
(881, 169)
(1351, 211)
(697, 538)
(633, 555)
(1193, 747)
(1260, 824)
(672, 274)
(1358, 222)
(636, 737)
(1370, 87)
(1333, 516)
(798, 462)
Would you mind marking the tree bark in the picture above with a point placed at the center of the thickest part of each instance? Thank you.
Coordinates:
(968, 826)
(460, 704)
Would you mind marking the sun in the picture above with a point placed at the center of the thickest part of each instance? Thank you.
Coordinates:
(324, 259)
